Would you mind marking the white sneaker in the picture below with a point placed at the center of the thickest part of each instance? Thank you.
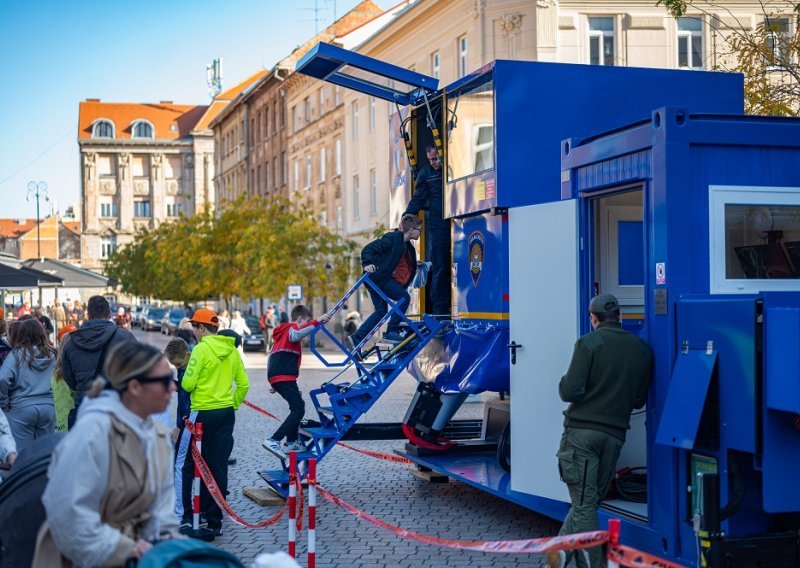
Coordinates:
(274, 446)
(296, 446)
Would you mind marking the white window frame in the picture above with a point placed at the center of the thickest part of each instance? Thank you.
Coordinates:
(146, 123)
(308, 172)
(435, 64)
(323, 218)
(603, 36)
(107, 205)
(100, 121)
(322, 168)
(463, 52)
(138, 204)
(778, 39)
(718, 197)
(296, 175)
(373, 192)
(356, 200)
(108, 245)
(337, 164)
(688, 36)
(372, 104)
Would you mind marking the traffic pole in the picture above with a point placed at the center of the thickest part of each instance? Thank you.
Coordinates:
(312, 513)
(198, 441)
(292, 503)
(614, 527)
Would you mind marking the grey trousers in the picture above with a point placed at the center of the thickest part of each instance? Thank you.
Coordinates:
(31, 422)
(586, 461)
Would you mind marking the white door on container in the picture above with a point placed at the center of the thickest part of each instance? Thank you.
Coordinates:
(543, 299)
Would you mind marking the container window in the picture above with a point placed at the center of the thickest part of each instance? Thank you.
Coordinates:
(470, 139)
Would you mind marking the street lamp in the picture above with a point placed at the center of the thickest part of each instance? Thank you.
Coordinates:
(37, 189)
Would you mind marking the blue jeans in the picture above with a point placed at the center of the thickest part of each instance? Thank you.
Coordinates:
(394, 291)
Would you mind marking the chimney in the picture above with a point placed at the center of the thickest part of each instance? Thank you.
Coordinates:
(166, 102)
(92, 100)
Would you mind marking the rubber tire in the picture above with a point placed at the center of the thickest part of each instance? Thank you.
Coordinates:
(504, 448)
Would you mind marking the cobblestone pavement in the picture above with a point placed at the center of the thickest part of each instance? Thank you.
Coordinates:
(383, 489)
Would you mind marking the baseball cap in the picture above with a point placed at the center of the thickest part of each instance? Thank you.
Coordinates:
(206, 316)
(603, 303)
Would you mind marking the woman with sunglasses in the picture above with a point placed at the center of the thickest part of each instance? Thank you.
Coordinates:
(110, 491)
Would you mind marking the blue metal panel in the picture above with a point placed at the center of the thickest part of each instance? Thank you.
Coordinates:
(782, 359)
(366, 75)
(540, 104)
(480, 259)
(680, 418)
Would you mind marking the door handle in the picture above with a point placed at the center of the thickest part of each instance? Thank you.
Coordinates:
(514, 346)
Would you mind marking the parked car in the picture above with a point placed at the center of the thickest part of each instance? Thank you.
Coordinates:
(171, 320)
(255, 339)
(136, 314)
(152, 320)
(143, 316)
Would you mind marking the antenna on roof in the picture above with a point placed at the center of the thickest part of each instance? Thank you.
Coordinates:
(214, 77)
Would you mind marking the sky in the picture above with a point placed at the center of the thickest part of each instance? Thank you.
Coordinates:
(56, 53)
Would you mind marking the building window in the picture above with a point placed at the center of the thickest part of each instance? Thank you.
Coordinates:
(173, 209)
(601, 40)
(296, 175)
(108, 208)
(778, 40)
(275, 177)
(107, 165)
(266, 122)
(308, 172)
(690, 43)
(337, 163)
(323, 218)
(266, 177)
(103, 129)
(337, 96)
(141, 166)
(285, 168)
(462, 56)
(307, 109)
(142, 129)
(321, 102)
(108, 246)
(356, 204)
(355, 120)
(258, 179)
(372, 104)
(294, 119)
(283, 115)
(435, 65)
(373, 192)
(322, 164)
(141, 208)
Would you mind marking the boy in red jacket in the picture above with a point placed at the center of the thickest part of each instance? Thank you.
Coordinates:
(283, 369)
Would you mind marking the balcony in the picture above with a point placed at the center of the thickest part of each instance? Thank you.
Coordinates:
(141, 186)
(108, 185)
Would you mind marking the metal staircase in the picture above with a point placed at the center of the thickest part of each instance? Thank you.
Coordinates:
(340, 404)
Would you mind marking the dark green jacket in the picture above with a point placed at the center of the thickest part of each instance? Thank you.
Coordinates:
(607, 378)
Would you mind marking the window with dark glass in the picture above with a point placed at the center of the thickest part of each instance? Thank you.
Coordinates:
(762, 241)
(141, 208)
(103, 129)
(142, 129)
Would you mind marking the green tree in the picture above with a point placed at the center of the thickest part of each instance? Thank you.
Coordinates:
(766, 54)
(253, 248)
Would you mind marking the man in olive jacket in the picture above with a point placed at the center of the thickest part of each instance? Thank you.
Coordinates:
(391, 262)
(608, 377)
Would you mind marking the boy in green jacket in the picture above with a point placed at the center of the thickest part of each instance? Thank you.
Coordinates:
(217, 382)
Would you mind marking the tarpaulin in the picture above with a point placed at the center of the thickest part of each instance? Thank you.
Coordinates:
(466, 360)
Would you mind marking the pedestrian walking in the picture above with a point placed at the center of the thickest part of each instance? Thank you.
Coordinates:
(283, 317)
(85, 354)
(283, 368)
(122, 319)
(391, 262)
(25, 394)
(268, 323)
(608, 377)
(217, 382)
(59, 315)
(110, 491)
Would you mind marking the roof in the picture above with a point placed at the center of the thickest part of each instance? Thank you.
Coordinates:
(15, 228)
(170, 121)
(14, 278)
(366, 30)
(221, 100)
(72, 226)
(72, 276)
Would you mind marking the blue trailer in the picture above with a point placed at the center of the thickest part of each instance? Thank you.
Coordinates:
(533, 240)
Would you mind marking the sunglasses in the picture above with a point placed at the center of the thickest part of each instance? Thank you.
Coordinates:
(165, 380)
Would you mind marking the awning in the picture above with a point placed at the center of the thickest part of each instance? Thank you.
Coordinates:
(15, 279)
(72, 276)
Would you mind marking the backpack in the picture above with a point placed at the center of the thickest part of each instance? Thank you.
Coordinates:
(188, 553)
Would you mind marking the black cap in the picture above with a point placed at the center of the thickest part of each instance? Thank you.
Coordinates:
(604, 303)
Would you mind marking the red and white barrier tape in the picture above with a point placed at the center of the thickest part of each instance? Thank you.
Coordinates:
(216, 494)
(260, 410)
(632, 558)
(566, 542)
